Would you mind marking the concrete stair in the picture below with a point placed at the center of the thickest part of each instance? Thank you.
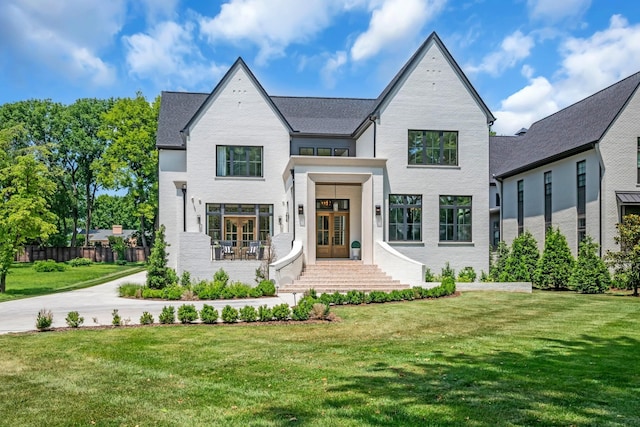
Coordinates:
(342, 276)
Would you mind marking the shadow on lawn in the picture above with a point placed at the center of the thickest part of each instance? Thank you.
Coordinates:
(588, 381)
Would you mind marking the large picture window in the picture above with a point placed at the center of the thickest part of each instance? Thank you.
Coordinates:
(405, 217)
(433, 147)
(455, 218)
(239, 160)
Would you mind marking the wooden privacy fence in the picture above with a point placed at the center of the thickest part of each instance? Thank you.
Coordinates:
(94, 253)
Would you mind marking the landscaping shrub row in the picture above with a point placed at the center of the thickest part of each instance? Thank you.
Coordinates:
(49, 265)
(203, 290)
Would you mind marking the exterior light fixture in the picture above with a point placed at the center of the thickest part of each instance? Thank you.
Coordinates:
(300, 210)
(378, 210)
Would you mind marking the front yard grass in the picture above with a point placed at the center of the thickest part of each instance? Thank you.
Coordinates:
(23, 281)
(481, 359)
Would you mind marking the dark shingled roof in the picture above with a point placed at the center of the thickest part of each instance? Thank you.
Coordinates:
(567, 132)
(328, 116)
(176, 109)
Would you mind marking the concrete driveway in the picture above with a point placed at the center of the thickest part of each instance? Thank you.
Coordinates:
(97, 303)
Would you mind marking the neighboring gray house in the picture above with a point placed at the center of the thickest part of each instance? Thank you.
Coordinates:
(578, 169)
(404, 173)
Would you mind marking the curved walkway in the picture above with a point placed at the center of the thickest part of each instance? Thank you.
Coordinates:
(97, 303)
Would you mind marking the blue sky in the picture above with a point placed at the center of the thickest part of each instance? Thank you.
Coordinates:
(526, 58)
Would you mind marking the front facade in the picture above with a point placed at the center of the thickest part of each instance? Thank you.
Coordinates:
(403, 174)
(577, 170)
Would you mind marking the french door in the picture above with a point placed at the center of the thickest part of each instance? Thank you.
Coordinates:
(240, 230)
(332, 235)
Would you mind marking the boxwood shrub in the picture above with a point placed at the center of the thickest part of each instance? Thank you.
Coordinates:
(208, 314)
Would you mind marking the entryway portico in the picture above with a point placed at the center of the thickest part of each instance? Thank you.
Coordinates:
(336, 201)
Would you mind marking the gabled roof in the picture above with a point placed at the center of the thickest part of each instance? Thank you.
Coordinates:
(336, 117)
(569, 131)
(412, 62)
(176, 109)
(238, 64)
(328, 116)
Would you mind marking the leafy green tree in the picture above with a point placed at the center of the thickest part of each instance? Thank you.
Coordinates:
(24, 213)
(498, 260)
(590, 274)
(522, 261)
(80, 152)
(131, 160)
(159, 276)
(111, 209)
(556, 264)
(626, 261)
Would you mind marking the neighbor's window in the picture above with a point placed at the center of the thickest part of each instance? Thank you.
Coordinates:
(455, 218)
(239, 160)
(405, 217)
(433, 147)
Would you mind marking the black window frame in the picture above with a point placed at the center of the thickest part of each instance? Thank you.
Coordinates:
(548, 195)
(427, 149)
(581, 202)
(401, 206)
(230, 161)
(451, 210)
(520, 189)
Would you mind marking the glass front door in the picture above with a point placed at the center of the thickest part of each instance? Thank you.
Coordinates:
(240, 230)
(332, 235)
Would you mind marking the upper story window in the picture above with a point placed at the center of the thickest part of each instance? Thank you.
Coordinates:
(323, 151)
(547, 201)
(520, 207)
(405, 217)
(233, 160)
(433, 147)
(638, 160)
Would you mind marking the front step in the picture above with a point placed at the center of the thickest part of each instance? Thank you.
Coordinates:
(342, 276)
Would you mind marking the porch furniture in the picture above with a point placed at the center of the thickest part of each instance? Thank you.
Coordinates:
(253, 250)
(227, 249)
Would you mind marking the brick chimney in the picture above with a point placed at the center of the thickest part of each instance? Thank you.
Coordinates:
(116, 230)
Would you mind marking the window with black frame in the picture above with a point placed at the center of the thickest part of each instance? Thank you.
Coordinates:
(455, 218)
(233, 160)
(433, 147)
(405, 217)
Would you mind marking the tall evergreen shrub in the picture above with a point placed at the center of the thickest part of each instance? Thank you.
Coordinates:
(556, 264)
(590, 274)
(159, 276)
(522, 261)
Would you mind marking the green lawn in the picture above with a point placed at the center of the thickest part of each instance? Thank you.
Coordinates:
(23, 281)
(482, 359)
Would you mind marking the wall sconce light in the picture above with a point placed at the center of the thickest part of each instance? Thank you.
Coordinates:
(199, 219)
(286, 217)
(280, 220)
(184, 189)
(300, 210)
(378, 210)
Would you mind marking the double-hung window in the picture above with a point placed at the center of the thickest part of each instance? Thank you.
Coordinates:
(236, 160)
(455, 218)
(405, 217)
(433, 147)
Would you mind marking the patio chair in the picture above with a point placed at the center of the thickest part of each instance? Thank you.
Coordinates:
(227, 249)
(252, 250)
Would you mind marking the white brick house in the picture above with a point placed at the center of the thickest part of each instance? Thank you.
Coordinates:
(405, 173)
(578, 169)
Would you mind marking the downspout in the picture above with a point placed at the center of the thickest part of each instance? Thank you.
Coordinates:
(293, 197)
(373, 118)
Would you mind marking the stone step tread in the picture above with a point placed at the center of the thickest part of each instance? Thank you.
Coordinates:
(328, 290)
(342, 280)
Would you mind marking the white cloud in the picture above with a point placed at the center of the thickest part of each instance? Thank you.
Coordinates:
(392, 22)
(331, 67)
(168, 55)
(63, 37)
(159, 9)
(588, 65)
(271, 25)
(557, 10)
(513, 49)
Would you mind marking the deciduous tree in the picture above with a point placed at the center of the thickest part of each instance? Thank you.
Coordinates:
(24, 212)
(626, 261)
(131, 160)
